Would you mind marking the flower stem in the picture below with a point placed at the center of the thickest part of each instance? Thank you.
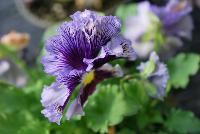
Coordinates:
(112, 130)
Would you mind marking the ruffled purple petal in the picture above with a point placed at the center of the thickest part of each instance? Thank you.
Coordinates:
(96, 27)
(72, 79)
(55, 61)
(53, 99)
(118, 47)
(80, 38)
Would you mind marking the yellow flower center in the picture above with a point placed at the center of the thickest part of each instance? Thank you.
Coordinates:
(88, 78)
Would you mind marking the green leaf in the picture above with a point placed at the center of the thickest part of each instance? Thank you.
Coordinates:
(148, 117)
(135, 92)
(21, 123)
(72, 127)
(19, 112)
(106, 107)
(12, 99)
(149, 69)
(181, 67)
(182, 122)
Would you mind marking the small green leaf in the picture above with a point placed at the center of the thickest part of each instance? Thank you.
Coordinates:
(182, 122)
(149, 69)
(181, 67)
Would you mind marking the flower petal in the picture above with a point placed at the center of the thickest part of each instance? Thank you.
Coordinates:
(53, 99)
(75, 108)
(118, 47)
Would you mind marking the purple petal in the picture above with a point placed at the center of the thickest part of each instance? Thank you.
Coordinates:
(118, 47)
(72, 79)
(75, 108)
(53, 99)
(80, 38)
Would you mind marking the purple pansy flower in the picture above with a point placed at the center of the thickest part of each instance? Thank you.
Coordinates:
(79, 55)
(175, 18)
(154, 27)
(158, 75)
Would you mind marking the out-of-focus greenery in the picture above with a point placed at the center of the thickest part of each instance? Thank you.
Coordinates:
(121, 103)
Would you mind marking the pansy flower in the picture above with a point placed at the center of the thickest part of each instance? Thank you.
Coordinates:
(79, 54)
(159, 27)
(157, 73)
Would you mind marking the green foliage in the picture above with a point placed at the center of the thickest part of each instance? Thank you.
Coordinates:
(7, 51)
(149, 117)
(101, 114)
(182, 122)
(123, 103)
(17, 114)
(126, 131)
(181, 67)
(72, 127)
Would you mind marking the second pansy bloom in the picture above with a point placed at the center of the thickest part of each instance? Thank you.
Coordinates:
(79, 54)
(157, 73)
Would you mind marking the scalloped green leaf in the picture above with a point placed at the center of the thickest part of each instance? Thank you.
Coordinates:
(72, 127)
(22, 123)
(182, 122)
(20, 112)
(182, 67)
(13, 99)
(106, 107)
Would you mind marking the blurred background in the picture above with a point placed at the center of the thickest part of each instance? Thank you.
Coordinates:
(36, 20)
